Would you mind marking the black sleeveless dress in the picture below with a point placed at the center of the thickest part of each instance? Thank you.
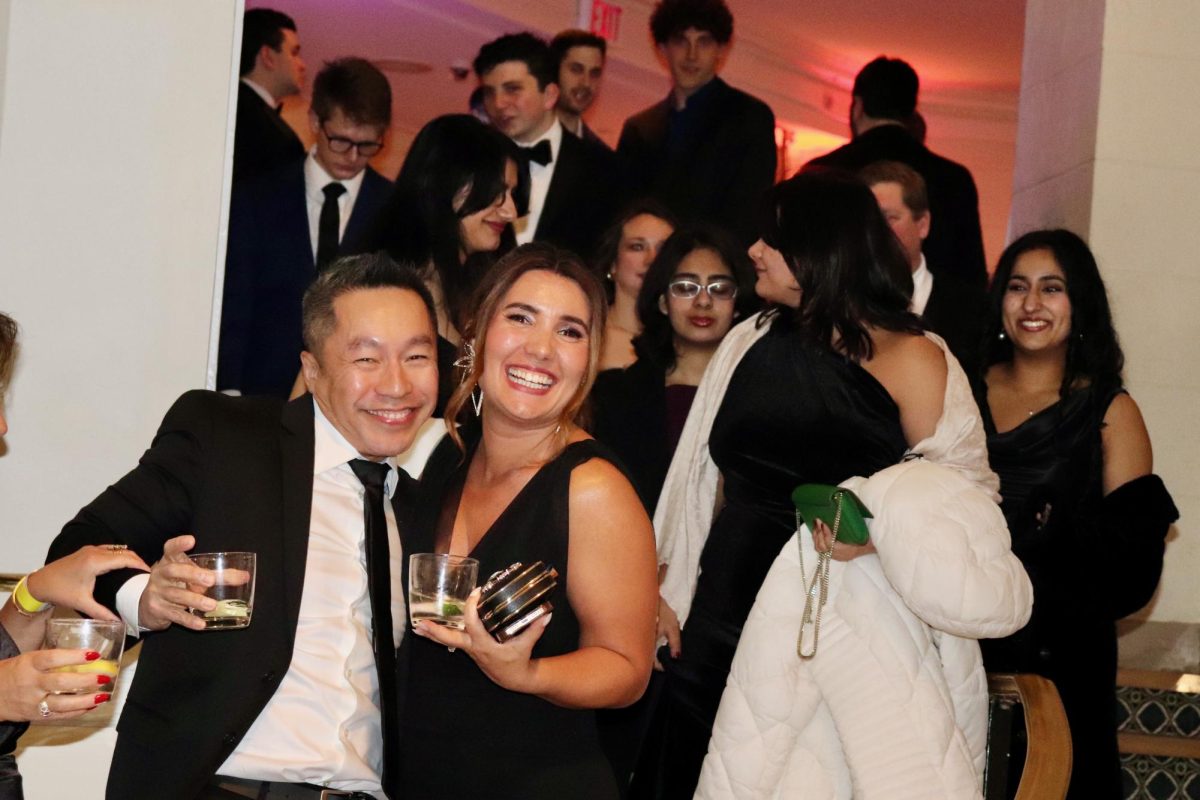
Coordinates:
(1091, 559)
(10, 778)
(792, 414)
(463, 736)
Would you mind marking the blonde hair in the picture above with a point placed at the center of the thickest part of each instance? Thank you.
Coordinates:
(533, 257)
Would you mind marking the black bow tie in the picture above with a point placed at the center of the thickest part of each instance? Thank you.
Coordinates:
(540, 152)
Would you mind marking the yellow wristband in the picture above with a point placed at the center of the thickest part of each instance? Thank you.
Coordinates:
(26, 602)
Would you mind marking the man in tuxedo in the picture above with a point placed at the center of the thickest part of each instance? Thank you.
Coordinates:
(271, 69)
(884, 99)
(949, 306)
(284, 226)
(574, 189)
(301, 701)
(580, 58)
(707, 151)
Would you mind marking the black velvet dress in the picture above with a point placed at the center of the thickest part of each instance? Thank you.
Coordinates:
(1092, 560)
(463, 736)
(791, 414)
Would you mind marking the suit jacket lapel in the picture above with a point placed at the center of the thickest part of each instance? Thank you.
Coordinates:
(563, 182)
(370, 195)
(296, 467)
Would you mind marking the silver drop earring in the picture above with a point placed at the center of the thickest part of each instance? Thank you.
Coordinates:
(477, 399)
(1001, 336)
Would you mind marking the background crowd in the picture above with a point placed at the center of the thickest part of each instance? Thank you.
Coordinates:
(656, 332)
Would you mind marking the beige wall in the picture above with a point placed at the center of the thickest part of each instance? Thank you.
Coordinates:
(1109, 93)
(114, 133)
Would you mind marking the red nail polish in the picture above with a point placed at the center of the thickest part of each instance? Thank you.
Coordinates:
(103, 679)
(103, 697)
(91, 655)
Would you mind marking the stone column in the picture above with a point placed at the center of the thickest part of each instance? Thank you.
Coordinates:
(1107, 146)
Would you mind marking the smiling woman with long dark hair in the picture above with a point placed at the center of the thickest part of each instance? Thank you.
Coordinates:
(1087, 516)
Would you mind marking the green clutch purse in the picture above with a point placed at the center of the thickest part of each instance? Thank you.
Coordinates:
(838, 508)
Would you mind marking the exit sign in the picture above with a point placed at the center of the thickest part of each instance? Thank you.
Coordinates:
(605, 20)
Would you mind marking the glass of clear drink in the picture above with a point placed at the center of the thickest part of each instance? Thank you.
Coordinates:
(233, 589)
(106, 638)
(438, 587)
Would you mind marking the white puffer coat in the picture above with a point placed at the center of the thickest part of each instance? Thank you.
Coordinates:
(894, 703)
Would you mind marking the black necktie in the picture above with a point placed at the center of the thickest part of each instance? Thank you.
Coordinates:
(539, 153)
(329, 224)
(373, 475)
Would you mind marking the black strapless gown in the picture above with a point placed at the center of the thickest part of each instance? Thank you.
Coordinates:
(462, 735)
(792, 414)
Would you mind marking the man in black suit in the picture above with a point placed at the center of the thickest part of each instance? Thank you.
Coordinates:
(884, 98)
(285, 225)
(271, 69)
(949, 306)
(579, 56)
(707, 151)
(291, 705)
(574, 188)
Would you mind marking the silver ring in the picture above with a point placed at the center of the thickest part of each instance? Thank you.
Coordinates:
(44, 709)
(450, 649)
(116, 548)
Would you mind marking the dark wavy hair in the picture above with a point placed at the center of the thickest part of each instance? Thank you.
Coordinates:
(851, 269)
(419, 224)
(656, 342)
(888, 88)
(671, 17)
(531, 50)
(610, 241)
(1093, 352)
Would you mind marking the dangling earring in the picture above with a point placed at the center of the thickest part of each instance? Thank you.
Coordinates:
(466, 362)
(477, 399)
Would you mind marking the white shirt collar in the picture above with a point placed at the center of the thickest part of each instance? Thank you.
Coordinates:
(261, 92)
(316, 178)
(922, 280)
(332, 450)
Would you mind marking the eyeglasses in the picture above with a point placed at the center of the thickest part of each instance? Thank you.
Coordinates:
(340, 144)
(720, 289)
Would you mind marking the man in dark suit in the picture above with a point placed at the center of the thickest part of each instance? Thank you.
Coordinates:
(884, 98)
(579, 56)
(285, 225)
(707, 151)
(302, 699)
(574, 187)
(949, 306)
(271, 69)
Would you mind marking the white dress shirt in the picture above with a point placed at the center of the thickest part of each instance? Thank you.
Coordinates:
(323, 723)
(539, 183)
(315, 181)
(922, 287)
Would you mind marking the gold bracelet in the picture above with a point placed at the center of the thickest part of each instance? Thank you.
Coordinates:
(25, 603)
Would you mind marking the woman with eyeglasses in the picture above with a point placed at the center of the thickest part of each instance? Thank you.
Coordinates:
(623, 256)
(694, 290)
(697, 286)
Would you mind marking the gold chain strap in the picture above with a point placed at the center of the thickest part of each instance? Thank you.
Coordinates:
(816, 592)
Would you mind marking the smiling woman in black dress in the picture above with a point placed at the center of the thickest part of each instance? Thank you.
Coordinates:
(1087, 516)
(525, 483)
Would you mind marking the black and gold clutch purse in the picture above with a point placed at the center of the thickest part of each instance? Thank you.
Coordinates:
(515, 597)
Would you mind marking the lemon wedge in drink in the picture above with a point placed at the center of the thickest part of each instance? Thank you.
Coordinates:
(102, 666)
